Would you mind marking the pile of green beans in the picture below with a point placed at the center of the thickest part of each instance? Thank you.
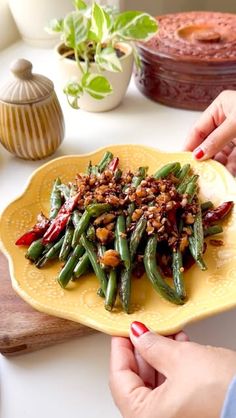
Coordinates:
(78, 248)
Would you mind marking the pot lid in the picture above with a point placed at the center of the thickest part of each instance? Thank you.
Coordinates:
(201, 36)
(23, 86)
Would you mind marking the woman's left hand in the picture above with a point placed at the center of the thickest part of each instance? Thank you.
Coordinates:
(155, 377)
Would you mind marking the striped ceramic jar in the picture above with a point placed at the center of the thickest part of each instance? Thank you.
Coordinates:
(31, 119)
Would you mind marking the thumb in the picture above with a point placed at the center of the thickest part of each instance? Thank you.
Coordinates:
(217, 140)
(160, 352)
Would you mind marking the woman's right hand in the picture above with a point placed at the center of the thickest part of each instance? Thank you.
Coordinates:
(214, 134)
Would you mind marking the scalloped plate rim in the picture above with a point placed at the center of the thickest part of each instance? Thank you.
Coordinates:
(89, 322)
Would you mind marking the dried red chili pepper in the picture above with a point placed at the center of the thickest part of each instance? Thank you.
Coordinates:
(219, 213)
(59, 223)
(36, 232)
(172, 216)
(113, 164)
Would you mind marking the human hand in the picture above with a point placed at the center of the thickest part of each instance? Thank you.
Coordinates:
(197, 377)
(214, 134)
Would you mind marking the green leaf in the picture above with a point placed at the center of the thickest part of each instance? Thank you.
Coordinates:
(80, 5)
(73, 88)
(100, 23)
(134, 25)
(96, 85)
(75, 29)
(108, 60)
(137, 59)
(74, 103)
(55, 26)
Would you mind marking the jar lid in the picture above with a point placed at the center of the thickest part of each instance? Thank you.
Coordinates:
(208, 37)
(23, 86)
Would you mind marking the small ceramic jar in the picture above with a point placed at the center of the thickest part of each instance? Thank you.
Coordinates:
(31, 119)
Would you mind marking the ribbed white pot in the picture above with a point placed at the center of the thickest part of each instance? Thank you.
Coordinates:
(68, 70)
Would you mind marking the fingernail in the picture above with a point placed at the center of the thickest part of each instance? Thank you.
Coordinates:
(138, 328)
(198, 153)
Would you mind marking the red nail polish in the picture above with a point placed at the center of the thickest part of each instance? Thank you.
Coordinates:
(138, 328)
(198, 153)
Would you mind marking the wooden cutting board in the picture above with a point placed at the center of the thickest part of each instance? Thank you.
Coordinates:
(23, 329)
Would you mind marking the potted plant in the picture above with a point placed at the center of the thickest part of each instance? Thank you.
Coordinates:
(96, 54)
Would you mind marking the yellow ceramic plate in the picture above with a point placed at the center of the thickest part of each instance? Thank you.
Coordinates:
(208, 292)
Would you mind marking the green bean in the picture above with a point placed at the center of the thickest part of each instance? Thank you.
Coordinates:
(73, 190)
(55, 199)
(47, 247)
(102, 165)
(88, 170)
(66, 246)
(52, 253)
(213, 230)
(207, 205)
(81, 227)
(91, 234)
(125, 289)
(181, 225)
(141, 174)
(166, 170)
(118, 174)
(35, 250)
(197, 257)
(183, 184)
(116, 241)
(101, 251)
(154, 274)
(111, 291)
(82, 266)
(183, 172)
(93, 210)
(136, 236)
(191, 188)
(64, 190)
(67, 271)
(130, 210)
(178, 277)
(75, 218)
(90, 249)
(201, 263)
(106, 159)
(198, 233)
(96, 209)
(177, 169)
(100, 293)
(136, 180)
(94, 170)
(122, 242)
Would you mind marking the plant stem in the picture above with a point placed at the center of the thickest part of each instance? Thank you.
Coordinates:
(78, 61)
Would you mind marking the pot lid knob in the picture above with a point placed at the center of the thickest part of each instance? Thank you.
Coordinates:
(24, 86)
(22, 68)
(207, 36)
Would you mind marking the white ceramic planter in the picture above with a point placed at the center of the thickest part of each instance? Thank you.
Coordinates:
(68, 70)
(31, 17)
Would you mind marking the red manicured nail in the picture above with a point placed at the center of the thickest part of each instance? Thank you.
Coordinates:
(138, 328)
(198, 153)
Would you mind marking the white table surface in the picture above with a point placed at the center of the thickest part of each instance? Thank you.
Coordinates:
(71, 379)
